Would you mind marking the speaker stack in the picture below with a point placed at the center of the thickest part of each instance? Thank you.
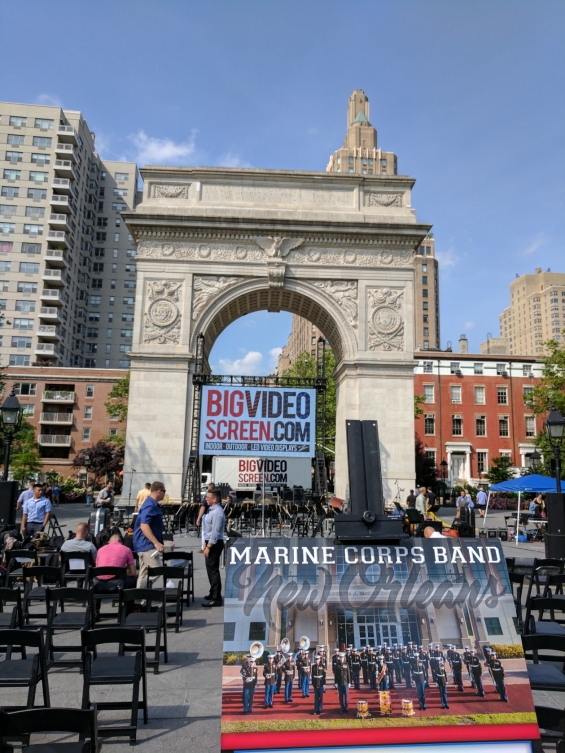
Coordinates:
(8, 500)
(554, 539)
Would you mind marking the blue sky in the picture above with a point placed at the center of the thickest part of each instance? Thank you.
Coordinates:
(467, 93)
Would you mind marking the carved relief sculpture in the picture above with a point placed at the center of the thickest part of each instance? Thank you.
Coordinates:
(207, 287)
(374, 199)
(345, 293)
(161, 191)
(386, 325)
(277, 247)
(162, 319)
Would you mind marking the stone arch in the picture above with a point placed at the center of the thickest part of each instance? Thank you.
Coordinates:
(297, 297)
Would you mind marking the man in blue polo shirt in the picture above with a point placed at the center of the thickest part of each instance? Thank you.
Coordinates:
(25, 495)
(148, 533)
(36, 512)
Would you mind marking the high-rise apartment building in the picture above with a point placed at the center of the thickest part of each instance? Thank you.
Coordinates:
(536, 312)
(67, 261)
(303, 337)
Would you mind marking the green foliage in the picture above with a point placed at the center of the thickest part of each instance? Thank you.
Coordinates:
(117, 403)
(305, 367)
(419, 400)
(52, 477)
(500, 470)
(25, 462)
(118, 439)
(102, 461)
(426, 471)
(508, 651)
(71, 489)
(471, 490)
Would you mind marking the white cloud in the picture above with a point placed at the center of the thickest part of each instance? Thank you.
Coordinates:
(539, 241)
(274, 354)
(232, 160)
(469, 325)
(102, 145)
(150, 150)
(49, 99)
(249, 365)
(447, 258)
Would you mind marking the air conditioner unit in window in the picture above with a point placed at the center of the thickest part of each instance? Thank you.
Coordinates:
(504, 374)
(458, 372)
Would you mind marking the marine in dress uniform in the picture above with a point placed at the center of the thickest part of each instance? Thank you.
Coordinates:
(397, 659)
(289, 672)
(318, 683)
(343, 680)
(457, 670)
(476, 671)
(248, 674)
(382, 672)
(355, 667)
(372, 669)
(279, 661)
(406, 669)
(270, 677)
(420, 680)
(306, 667)
(390, 669)
(467, 655)
(364, 658)
(441, 679)
(497, 671)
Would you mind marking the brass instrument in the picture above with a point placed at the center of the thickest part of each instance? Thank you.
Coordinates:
(285, 645)
(304, 643)
(256, 649)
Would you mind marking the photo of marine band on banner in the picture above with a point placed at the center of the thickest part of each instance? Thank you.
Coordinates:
(373, 636)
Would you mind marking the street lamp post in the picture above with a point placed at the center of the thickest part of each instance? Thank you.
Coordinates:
(554, 426)
(86, 460)
(11, 417)
(535, 459)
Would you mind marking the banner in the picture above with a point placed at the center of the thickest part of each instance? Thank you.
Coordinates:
(418, 643)
(263, 421)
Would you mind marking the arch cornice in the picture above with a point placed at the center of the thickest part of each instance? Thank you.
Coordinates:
(297, 296)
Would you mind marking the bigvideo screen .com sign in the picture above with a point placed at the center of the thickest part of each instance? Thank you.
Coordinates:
(265, 421)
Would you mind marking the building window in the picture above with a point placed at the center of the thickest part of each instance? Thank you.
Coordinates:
(503, 426)
(31, 248)
(477, 368)
(11, 192)
(229, 631)
(454, 367)
(28, 410)
(129, 284)
(425, 305)
(5, 266)
(12, 174)
(21, 342)
(19, 360)
(126, 333)
(29, 267)
(426, 331)
(25, 388)
(121, 176)
(26, 287)
(46, 124)
(7, 227)
(428, 367)
(530, 426)
(23, 323)
(17, 121)
(8, 210)
(90, 363)
(123, 364)
(429, 424)
(481, 426)
(257, 631)
(480, 396)
(89, 390)
(40, 159)
(492, 624)
(35, 212)
(38, 177)
(528, 391)
(502, 395)
(456, 394)
(88, 411)
(482, 462)
(429, 393)
(457, 426)
(33, 229)
(44, 142)
(14, 156)
(129, 301)
(500, 369)
(25, 306)
(86, 434)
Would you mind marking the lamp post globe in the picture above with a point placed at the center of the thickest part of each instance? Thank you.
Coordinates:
(11, 418)
(554, 426)
(535, 458)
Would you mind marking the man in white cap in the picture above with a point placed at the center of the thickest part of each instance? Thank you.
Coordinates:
(343, 681)
(270, 677)
(248, 674)
(318, 682)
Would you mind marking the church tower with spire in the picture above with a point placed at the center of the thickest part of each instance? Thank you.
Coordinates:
(360, 153)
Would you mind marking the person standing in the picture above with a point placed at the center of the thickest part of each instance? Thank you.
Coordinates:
(36, 512)
(88, 495)
(248, 674)
(364, 660)
(148, 533)
(106, 497)
(270, 677)
(419, 675)
(306, 667)
(497, 671)
(441, 679)
(355, 666)
(289, 672)
(25, 495)
(476, 671)
(421, 501)
(55, 493)
(279, 664)
(204, 504)
(213, 526)
(481, 502)
(411, 499)
(457, 669)
(142, 496)
(343, 680)
(318, 682)
(431, 496)
(372, 669)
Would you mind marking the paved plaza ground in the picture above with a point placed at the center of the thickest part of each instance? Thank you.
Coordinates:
(185, 697)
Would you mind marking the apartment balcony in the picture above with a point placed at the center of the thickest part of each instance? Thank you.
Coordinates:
(49, 332)
(55, 257)
(63, 419)
(55, 440)
(50, 313)
(67, 151)
(67, 134)
(58, 396)
(52, 296)
(65, 168)
(59, 236)
(61, 203)
(53, 276)
(64, 185)
(59, 221)
(47, 349)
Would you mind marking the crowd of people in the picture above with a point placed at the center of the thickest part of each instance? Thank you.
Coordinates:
(380, 668)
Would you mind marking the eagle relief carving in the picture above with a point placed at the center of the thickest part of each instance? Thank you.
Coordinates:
(386, 325)
(277, 247)
(162, 319)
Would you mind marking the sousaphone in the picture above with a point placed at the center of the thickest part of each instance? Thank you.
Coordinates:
(256, 649)
(285, 645)
(304, 643)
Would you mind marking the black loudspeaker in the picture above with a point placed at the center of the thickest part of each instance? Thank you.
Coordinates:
(555, 508)
(554, 545)
(8, 500)
(99, 520)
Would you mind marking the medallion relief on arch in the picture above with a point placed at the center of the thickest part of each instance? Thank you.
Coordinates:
(345, 293)
(207, 287)
(385, 319)
(162, 317)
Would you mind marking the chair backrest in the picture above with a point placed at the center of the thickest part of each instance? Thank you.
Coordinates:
(555, 580)
(62, 596)
(533, 643)
(187, 556)
(541, 603)
(27, 638)
(167, 573)
(21, 556)
(80, 721)
(510, 563)
(116, 572)
(148, 595)
(76, 561)
(12, 596)
(43, 574)
(101, 636)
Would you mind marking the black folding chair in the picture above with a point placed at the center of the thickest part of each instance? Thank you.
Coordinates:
(46, 577)
(189, 567)
(116, 669)
(551, 724)
(11, 617)
(517, 579)
(541, 568)
(173, 594)
(61, 619)
(542, 626)
(16, 559)
(545, 676)
(146, 618)
(25, 672)
(554, 585)
(76, 566)
(107, 590)
(20, 724)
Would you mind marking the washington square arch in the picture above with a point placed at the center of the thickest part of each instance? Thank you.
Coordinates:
(215, 244)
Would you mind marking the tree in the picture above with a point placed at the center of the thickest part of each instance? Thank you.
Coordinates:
(105, 458)
(550, 391)
(500, 470)
(305, 367)
(22, 439)
(117, 403)
(419, 400)
(426, 472)
(25, 463)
